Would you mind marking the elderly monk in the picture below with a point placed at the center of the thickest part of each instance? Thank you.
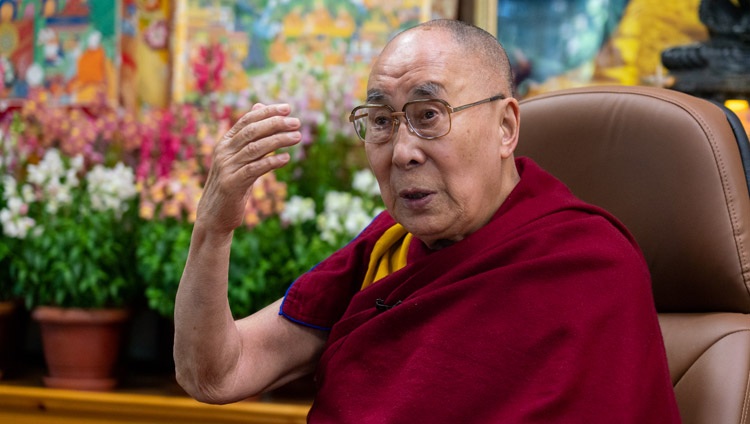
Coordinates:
(485, 293)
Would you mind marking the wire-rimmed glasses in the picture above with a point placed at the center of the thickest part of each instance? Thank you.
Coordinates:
(427, 118)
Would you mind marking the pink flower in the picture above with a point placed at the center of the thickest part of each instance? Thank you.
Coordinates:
(208, 67)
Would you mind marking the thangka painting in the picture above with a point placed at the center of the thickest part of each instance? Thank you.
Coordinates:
(554, 44)
(63, 50)
(144, 44)
(314, 54)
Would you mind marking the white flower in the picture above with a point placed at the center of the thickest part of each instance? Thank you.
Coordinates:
(27, 193)
(298, 209)
(52, 206)
(356, 221)
(63, 195)
(36, 174)
(337, 202)
(77, 163)
(5, 216)
(17, 206)
(111, 188)
(327, 231)
(71, 178)
(13, 219)
(9, 186)
(18, 227)
(51, 181)
(344, 217)
(365, 183)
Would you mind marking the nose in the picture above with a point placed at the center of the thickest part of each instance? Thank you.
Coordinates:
(407, 146)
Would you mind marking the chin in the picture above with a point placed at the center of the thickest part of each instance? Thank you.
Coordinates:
(425, 233)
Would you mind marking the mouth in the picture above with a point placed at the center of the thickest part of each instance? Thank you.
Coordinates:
(414, 195)
(415, 198)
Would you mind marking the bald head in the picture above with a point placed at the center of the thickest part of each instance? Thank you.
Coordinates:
(475, 42)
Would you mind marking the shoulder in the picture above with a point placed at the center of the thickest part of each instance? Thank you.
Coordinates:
(540, 202)
(319, 297)
(543, 219)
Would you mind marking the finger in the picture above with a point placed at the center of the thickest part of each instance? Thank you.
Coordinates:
(257, 113)
(267, 128)
(256, 150)
(255, 169)
(256, 132)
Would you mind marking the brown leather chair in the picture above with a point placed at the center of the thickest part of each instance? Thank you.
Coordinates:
(670, 166)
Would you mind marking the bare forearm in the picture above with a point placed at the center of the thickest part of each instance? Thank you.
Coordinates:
(207, 344)
(217, 359)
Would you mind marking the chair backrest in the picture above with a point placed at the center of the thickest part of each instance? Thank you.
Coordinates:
(666, 164)
(670, 167)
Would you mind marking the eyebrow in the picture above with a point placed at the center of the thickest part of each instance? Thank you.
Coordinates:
(428, 89)
(375, 96)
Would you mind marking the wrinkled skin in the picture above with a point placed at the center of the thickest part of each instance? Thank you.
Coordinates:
(444, 189)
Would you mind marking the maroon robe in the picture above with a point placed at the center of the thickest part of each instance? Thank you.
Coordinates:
(545, 315)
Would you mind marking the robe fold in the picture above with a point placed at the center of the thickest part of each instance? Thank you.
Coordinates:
(544, 315)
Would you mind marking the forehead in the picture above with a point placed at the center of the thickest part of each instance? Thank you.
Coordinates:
(419, 63)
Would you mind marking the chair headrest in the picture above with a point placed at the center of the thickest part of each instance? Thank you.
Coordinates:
(668, 166)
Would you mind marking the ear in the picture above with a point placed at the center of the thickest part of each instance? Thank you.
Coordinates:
(509, 125)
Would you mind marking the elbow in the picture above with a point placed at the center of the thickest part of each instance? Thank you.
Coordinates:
(201, 389)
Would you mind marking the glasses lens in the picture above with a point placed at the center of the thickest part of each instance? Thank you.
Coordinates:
(373, 124)
(428, 119)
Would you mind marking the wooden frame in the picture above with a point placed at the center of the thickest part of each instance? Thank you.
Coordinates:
(484, 15)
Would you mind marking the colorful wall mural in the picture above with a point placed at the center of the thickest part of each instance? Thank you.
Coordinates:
(151, 53)
(556, 44)
(66, 49)
(222, 46)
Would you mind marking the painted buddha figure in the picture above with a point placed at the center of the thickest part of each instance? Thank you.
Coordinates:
(715, 68)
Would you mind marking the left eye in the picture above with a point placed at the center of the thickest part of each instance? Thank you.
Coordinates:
(429, 114)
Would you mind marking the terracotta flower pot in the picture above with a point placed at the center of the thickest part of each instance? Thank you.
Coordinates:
(81, 346)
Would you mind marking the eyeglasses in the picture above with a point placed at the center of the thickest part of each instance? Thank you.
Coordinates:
(427, 118)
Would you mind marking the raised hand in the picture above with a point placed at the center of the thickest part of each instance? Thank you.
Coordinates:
(246, 152)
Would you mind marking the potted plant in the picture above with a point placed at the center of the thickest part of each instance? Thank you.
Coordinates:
(73, 212)
(164, 240)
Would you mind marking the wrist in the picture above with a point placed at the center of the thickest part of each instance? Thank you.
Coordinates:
(211, 238)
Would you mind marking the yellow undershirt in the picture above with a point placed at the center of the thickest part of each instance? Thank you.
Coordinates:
(388, 255)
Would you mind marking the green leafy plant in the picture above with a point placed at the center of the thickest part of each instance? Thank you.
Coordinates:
(74, 231)
(290, 237)
(78, 260)
(265, 260)
(68, 204)
(160, 257)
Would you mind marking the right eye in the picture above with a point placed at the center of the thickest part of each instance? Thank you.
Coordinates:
(380, 118)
